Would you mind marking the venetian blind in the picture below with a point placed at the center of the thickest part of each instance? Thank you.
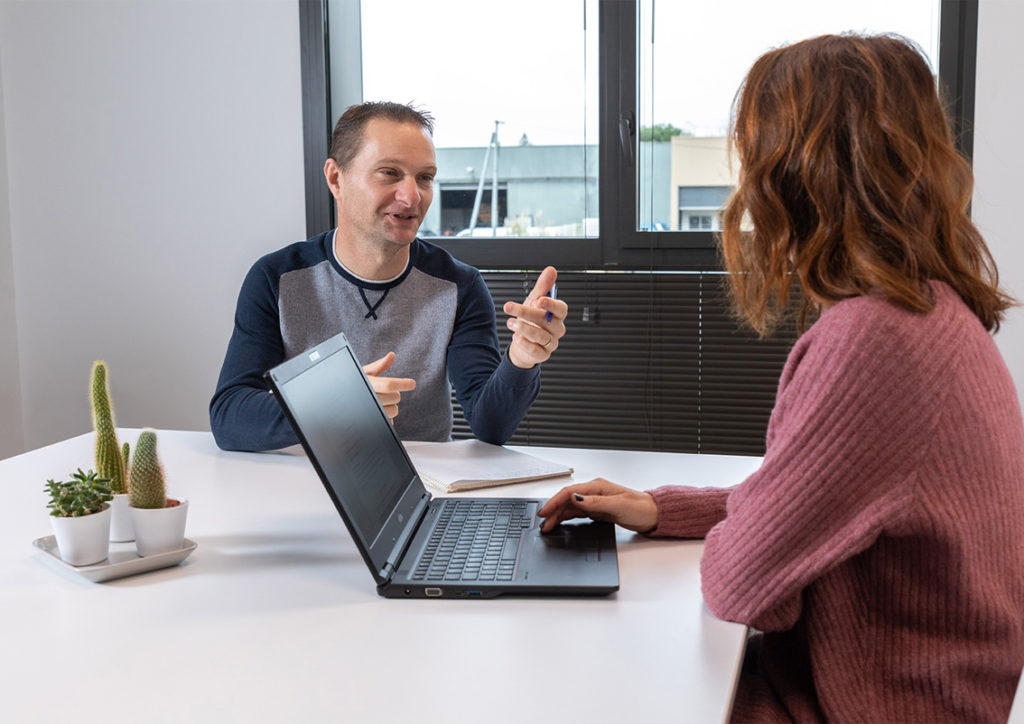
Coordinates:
(651, 361)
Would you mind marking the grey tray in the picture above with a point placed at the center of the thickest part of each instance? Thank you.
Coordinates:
(120, 562)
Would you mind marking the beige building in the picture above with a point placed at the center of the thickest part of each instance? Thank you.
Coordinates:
(701, 181)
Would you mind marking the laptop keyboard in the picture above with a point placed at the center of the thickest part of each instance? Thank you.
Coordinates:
(475, 540)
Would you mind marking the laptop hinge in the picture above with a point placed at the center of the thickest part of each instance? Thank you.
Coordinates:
(391, 563)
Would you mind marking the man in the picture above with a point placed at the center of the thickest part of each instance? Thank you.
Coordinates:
(421, 316)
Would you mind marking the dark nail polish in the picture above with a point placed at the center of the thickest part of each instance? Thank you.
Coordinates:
(578, 497)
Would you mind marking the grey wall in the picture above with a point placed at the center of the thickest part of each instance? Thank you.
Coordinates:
(153, 152)
(12, 439)
(999, 161)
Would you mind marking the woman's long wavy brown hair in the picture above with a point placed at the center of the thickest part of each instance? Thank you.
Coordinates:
(849, 182)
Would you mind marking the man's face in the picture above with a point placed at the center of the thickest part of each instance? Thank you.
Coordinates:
(387, 188)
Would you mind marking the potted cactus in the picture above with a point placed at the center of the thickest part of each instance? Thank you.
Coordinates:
(111, 459)
(159, 521)
(80, 514)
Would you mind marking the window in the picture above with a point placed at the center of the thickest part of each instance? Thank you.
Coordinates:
(599, 128)
(514, 94)
(687, 129)
(699, 207)
(462, 215)
(591, 136)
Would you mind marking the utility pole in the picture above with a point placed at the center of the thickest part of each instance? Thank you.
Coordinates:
(494, 186)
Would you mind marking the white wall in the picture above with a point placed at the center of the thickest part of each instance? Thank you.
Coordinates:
(999, 161)
(154, 151)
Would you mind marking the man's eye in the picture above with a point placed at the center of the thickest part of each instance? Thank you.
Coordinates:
(427, 179)
(389, 172)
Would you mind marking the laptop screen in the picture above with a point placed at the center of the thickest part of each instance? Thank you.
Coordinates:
(361, 459)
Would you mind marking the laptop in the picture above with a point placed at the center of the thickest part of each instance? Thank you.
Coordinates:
(417, 545)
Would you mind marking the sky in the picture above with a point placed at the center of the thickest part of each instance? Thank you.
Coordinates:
(525, 62)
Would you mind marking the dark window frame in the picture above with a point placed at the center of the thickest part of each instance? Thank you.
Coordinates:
(619, 244)
(317, 123)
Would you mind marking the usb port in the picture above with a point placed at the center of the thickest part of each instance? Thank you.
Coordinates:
(432, 592)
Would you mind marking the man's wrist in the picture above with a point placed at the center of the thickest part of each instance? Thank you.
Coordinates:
(512, 357)
(515, 376)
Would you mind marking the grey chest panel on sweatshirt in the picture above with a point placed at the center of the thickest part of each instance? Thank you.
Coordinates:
(414, 320)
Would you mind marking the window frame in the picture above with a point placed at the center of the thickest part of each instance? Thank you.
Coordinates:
(620, 245)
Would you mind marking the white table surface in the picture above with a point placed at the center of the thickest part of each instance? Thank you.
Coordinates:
(275, 617)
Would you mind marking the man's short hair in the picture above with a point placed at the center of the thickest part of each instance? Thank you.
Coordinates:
(348, 132)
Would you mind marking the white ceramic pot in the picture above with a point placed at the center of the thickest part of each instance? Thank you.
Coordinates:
(158, 530)
(84, 540)
(121, 529)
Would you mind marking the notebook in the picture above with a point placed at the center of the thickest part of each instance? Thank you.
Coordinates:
(451, 467)
(416, 545)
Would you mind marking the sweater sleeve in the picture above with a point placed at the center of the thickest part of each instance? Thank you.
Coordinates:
(685, 512)
(851, 420)
(243, 413)
(495, 394)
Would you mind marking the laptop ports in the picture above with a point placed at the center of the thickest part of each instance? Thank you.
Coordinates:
(432, 592)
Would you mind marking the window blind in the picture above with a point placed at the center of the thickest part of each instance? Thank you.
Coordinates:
(651, 361)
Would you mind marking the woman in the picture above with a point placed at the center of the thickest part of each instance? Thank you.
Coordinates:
(880, 546)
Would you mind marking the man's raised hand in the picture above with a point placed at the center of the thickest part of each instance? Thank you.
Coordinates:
(534, 338)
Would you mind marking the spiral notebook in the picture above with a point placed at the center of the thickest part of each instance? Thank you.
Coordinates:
(469, 464)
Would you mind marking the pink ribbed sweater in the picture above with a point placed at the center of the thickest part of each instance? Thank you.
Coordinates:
(880, 546)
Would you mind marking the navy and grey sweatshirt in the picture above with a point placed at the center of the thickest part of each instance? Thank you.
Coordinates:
(437, 316)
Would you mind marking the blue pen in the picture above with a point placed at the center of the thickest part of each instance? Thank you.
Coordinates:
(554, 295)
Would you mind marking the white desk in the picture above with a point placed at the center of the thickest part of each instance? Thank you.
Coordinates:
(275, 617)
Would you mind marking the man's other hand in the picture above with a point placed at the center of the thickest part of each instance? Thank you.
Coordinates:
(388, 389)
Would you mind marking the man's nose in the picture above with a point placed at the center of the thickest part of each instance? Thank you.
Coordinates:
(408, 191)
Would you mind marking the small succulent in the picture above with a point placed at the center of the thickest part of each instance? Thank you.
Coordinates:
(83, 494)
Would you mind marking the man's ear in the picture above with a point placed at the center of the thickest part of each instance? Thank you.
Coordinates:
(332, 172)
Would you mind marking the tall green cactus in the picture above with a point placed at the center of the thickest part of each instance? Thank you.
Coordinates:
(147, 487)
(109, 459)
